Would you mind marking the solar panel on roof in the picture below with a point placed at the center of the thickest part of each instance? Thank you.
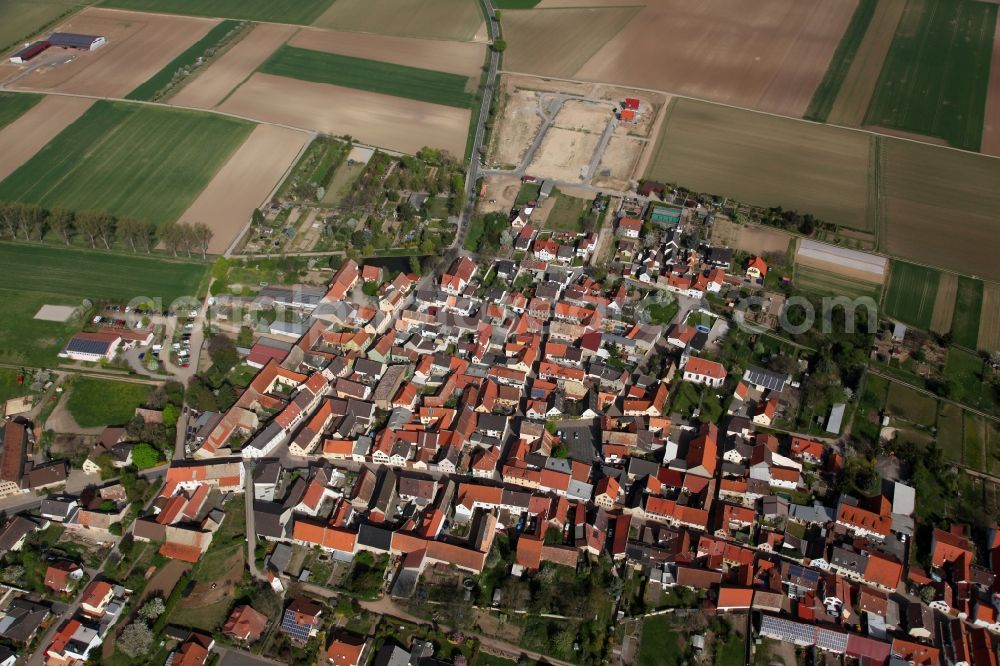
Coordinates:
(293, 628)
(87, 346)
(831, 641)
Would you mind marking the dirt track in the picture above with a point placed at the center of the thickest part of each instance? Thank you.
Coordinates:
(244, 183)
(212, 85)
(380, 120)
(24, 137)
(463, 58)
(139, 45)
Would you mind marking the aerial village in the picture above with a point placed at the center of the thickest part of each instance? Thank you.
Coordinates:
(466, 442)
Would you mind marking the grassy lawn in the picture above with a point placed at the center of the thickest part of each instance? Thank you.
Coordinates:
(731, 652)
(567, 213)
(528, 192)
(993, 447)
(128, 160)
(13, 105)
(381, 77)
(8, 385)
(688, 396)
(968, 307)
(189, 57)
(660, 643)
(964, 370)
(302, 12)
(949, 431)
(228, 544)
(828, 89)
(911, 295)
(975, 434)
(207, 618)
(905, 403)
(100, 402)
(935, 76)
(662, 313)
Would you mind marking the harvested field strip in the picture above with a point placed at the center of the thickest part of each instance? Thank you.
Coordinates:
(828, 89)
(301, 12)
(950, 436)
(558, 42)
(921, 186)
(935, 76)
(856, 90)
(911, 294)
(457, 20)
(822, 282)
(975, 440)
(991, 124)
(907, 404)
(159, 81)
(131, 161)
(968, 305)
(989, 321)
(14, 105)
(212, 84)
(21, 139)
(766, 160)
(423, 85)
(944, 303)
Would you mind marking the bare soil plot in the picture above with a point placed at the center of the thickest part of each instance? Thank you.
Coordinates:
(558, 42)
(991, 125)
(755, 239)
(519, 124)
(502, 191)
(24, 137)
(859, 84)
(564, 155)
(245, 182)
(458, 20)
(944, 303)
(765, 160)
(769, 59)
(217, 80)
(583, 116)
(921, 186)
(380, 120)
(989, 321)
(618, 163)
(139, 45)
(465, 58)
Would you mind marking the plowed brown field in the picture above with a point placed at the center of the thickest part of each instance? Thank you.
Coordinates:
(991, 126)
(24, 137)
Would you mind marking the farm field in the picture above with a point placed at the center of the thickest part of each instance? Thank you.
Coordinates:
(989, 320)
(210, 86)
(458, 20)
(244, 183)
(751, 238)
(22, 19)
(558, 42)
(920, 187)
(975, 442)
(463, 58)
(423, 85)
(968, 305)
(911, 294)
(770, 60)
(935, 77)
(964, 370)
(944, 303)
(765, 160)
(388, 122)
(189, 57)
(29, 133)
(823, 282)
(280, 11)
(843, 58)
(991, 124)
(139, 46)
(856, 90)
(65, 276)
(950, 429)
(15, 105)
(100, 402)
(993, 447)
(905, 403)
(131, 161)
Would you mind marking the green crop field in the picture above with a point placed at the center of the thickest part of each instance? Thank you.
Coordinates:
(100, 402)
(936, 74)
(975, 442)
(163, 78)
(300, 12)
(515, 4)
(824, 283)
(950, 426)
(381, 77)
(911, 294)
(64, 276)
(14, 105)
(910, 405)
(131, 161)
(22, 19)
(434, 19)
(828, 89)
(968, 307)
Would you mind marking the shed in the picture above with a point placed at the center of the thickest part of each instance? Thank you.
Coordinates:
(836, 418)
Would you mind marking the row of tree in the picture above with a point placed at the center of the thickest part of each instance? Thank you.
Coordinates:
(32, 222)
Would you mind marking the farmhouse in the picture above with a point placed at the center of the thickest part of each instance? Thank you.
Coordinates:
(63, 40)
(703, 371)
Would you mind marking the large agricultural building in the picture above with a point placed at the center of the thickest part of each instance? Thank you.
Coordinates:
(63, 40)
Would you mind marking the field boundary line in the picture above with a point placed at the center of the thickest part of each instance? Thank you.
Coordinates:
(924, 391)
